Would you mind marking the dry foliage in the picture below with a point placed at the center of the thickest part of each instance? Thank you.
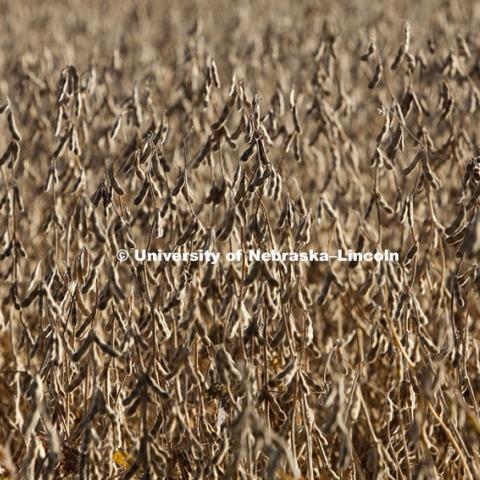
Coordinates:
(218, 126)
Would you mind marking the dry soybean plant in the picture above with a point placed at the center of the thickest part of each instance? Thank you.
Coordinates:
(213, 126)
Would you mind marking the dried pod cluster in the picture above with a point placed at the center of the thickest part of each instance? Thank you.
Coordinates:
(191, 126)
